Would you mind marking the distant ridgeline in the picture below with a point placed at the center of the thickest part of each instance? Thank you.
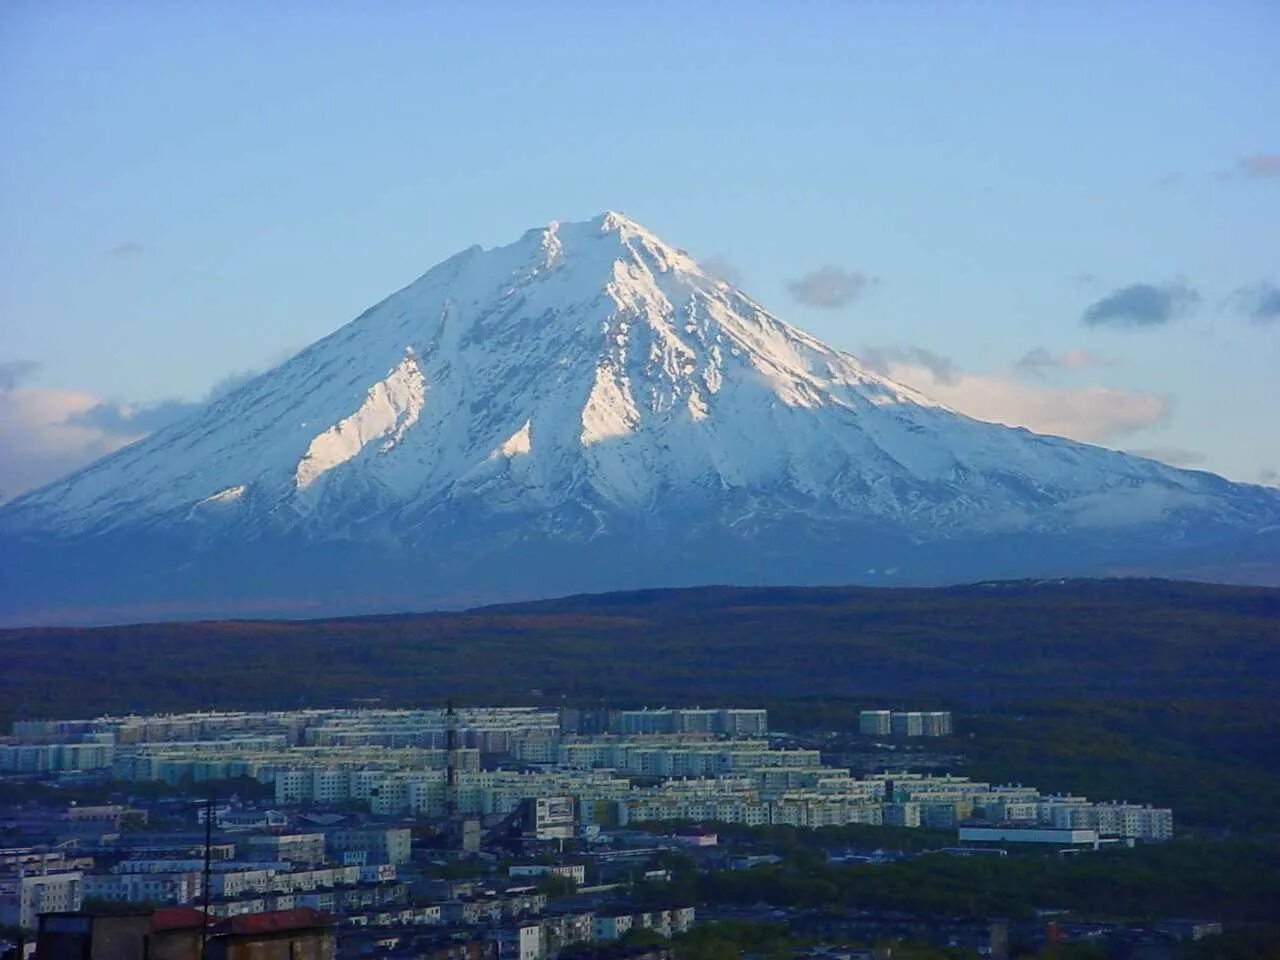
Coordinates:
(978, 645)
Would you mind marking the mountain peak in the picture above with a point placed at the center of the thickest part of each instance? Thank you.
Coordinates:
(595, 408)
(636, 241)
(612, 220)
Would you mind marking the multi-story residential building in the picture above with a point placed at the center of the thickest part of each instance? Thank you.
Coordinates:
(944, 811)
(916, 786)
(104, 816)
(24, 898)
(903, 814)
(494, 909)
(1129, 820)
(666, 922)
(15, 861)
(875, 723)
(55, 757)
(297, 848)
(668, 764)
(937, 723)
(742, 722)
(379, 844)
(1141, 822)
(647, 757)
(424, 915)
(570, 871)
(909, 723)
(562, 929)
(232, 884)
(610, 924)
(520, 941)
(151, 887)
(732, 722)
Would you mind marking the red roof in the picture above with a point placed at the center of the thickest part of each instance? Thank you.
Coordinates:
(299, 918)
(177, 918)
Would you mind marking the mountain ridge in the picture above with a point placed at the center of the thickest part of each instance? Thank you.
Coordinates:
(523, 420)
(968, 643)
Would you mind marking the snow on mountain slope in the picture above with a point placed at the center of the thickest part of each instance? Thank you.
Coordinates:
(589, 379)
(391, 407)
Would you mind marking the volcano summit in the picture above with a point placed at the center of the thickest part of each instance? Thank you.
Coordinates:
(586, 409)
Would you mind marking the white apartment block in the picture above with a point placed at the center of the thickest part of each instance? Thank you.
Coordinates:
(561, 930)
(904, 814)
(24, 898)
(230, 884)
(641, 757)
(303, 848)
(907, 723)
(611, 925)
(380, 844)
(55, 757)
(571, 871)
(666, 764)
(1128, 820)
(150, 887)
(875, 723)
(733, 722)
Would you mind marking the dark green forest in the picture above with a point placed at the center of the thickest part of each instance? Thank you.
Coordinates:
(977, 646)
(1233, 881)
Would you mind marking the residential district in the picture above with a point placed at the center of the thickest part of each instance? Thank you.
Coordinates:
(481, 832)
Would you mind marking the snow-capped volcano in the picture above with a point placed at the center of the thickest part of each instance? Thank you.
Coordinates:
(582, 409)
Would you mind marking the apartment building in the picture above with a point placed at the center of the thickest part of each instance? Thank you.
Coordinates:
(55, 757)
(24, 898)
(905, 723)
(732, 722)
(570, 871)
(379, 844)
(1131, 821)
(307, 849)
(875, 723)
(151, 887)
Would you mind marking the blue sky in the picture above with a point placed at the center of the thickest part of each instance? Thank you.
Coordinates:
(1060, 215)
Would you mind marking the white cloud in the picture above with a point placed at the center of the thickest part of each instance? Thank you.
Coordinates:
(1039, 360)
(721, 269)
(1093, 414)
(1259, 166)
(940, 368)
(830, 287)
(41, 439)
(47, 433)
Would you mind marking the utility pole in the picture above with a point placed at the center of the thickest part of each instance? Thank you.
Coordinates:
(451, 776)
(208, 869)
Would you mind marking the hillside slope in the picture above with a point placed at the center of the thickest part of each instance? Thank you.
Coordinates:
(587, 409)
(985, 643)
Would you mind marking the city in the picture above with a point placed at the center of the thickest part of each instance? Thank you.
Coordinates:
(639, 481)
(512, 832)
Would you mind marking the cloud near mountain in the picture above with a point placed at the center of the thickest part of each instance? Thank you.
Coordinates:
(1093, 414)
(587, 409)
(49, 432)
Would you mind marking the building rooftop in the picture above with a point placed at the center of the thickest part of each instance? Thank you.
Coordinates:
(177, 918)
(299, 918)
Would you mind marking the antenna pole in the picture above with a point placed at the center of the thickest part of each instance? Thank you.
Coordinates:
(451, 747)
(208, 869)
